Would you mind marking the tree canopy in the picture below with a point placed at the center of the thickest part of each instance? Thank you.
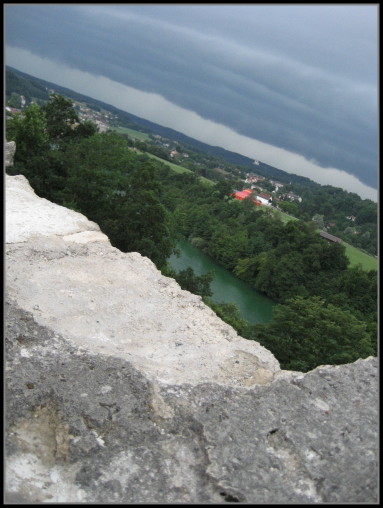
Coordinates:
(61, 118)
(307, 332)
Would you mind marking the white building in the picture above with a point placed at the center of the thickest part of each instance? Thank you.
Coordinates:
(294, 197)
(264, 198)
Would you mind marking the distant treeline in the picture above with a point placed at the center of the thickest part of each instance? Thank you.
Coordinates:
(133, 121)
(15, 82)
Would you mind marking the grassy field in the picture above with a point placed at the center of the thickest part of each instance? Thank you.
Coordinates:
(178, 169)
(282, 215)
(174, 167)
(142, 136)
(357, 256)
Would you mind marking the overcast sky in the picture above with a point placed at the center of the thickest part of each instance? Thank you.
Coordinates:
(294, 86)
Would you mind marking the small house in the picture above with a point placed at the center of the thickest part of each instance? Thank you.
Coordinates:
(241, 195)
(264, 198)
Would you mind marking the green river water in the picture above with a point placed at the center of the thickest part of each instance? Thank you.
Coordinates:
(225, 287)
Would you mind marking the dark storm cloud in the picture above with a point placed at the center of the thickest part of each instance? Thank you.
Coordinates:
(302, 78)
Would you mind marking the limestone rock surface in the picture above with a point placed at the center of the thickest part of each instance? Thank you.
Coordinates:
(9, 152)
(123, 388)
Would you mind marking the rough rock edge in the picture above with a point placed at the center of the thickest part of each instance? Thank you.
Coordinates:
(10, 149)
(82, 427)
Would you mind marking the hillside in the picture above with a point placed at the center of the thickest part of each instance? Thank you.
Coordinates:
(23, 84)
(333, 204)
(147, 126)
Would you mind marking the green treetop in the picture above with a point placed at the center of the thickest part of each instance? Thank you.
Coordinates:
(306, 333)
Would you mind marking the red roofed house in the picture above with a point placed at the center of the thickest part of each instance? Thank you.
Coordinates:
(241, 195)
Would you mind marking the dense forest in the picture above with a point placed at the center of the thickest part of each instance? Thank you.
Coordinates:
(288, 262)
(327, 311)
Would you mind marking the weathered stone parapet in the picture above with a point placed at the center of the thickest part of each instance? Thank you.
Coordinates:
(63, 269)
(9, 153)
(122, 388)
(92, 428)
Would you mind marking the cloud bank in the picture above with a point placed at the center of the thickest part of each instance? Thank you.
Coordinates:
(299, 77)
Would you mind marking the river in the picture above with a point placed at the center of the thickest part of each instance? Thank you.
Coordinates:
(253, 306)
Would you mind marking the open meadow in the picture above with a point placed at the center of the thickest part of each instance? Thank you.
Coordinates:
(141, 136)
(357, 256)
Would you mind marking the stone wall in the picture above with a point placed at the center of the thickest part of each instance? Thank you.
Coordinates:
(9, 153)
(123, 388)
